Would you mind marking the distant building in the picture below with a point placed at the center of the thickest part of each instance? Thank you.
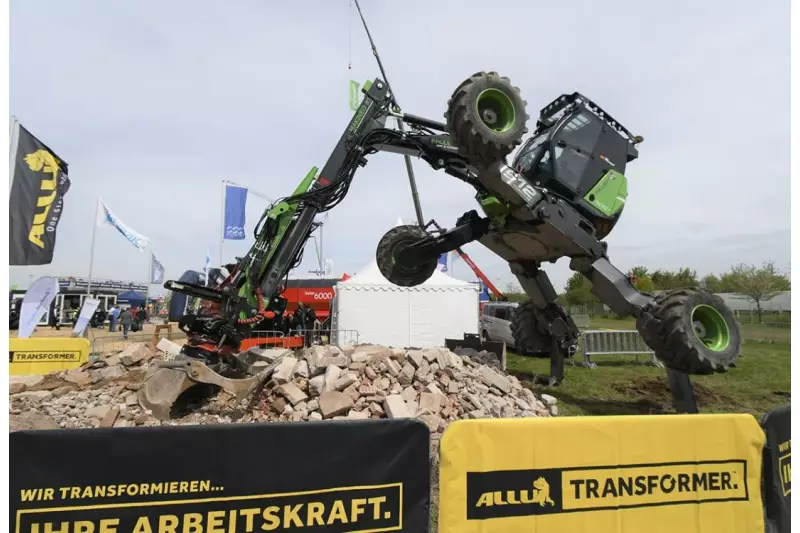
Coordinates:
(782, 302)
(72, 293)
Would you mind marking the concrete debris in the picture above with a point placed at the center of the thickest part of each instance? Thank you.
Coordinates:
(548, 400)
(395, 406)
(283, 372)
(333, 403)
(169, 348)
(332, 374)
(291, 392)
(433, 385)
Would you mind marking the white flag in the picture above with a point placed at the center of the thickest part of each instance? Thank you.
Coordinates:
(88, 309)
(105, 216)
(35, 304)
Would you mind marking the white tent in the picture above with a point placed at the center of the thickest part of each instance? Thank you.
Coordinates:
(420, 317)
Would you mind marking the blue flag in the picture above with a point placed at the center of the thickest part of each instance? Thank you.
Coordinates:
(156, 271)
(235, 202)
(442, 266)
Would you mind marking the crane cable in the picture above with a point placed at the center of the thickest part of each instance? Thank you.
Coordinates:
(409, 169)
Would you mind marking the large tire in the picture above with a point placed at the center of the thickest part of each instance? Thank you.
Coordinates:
(486, 118)
(529, 339)
(691, 331)
(390, 244)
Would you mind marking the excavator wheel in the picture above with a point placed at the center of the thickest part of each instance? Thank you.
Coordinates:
(691, 331)
(525, 330)
(486, 118)
(390, 244)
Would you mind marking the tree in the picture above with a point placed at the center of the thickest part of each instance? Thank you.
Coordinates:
(578, 290)
(514, 293)
(511, 288)
(757, 284)
(644, 283)
(666, 280)
(711, 283)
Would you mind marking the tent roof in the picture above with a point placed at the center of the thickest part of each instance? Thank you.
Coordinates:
(131, 296)
(370, 277)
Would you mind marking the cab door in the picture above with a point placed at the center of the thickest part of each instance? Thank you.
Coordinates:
(502, 325)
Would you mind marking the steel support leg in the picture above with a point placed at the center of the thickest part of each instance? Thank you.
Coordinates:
(553, 321)
(682, 392)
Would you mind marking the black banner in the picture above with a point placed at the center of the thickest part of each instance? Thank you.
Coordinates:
(777, 425)
(37, 198)
(330, 476)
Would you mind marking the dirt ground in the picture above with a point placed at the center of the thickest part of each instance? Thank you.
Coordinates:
(657, 390)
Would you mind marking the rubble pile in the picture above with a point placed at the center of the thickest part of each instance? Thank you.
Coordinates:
(433, 385)
(102, 393)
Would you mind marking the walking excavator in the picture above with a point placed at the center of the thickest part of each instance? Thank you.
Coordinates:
(559, 196)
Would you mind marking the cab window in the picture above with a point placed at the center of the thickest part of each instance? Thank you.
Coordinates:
(502, 313)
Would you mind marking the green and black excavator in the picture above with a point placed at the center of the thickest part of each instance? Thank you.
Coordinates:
(560, 196)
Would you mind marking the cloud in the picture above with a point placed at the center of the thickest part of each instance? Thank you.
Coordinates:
(154, 103)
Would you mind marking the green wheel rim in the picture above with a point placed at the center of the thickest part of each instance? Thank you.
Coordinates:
(496, 110)
(714, 332)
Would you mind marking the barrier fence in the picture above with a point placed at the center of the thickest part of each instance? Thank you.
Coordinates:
(108, 344)
(582, 321)
(615, 342)
(374, 475)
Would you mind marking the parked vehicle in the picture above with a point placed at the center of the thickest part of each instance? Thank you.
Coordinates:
(496, 319)
(496, 322)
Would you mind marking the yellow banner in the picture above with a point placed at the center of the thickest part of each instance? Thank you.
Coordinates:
(42, 355)
(614, 474)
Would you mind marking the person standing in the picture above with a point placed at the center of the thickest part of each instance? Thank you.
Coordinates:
(54, 320)
(126, 319)
(142, 316)
(112, 319)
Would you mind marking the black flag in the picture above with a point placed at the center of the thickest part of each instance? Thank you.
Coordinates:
(40, 181)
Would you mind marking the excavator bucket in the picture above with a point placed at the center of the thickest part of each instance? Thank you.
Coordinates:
(161, 390)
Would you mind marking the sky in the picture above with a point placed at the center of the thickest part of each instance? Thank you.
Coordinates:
(152, 104)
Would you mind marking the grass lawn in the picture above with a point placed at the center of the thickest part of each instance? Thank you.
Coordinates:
(619, 385)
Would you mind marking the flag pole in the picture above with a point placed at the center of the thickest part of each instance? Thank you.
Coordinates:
(91, 254)
(222, 223)
(148, 279)
(14, 138)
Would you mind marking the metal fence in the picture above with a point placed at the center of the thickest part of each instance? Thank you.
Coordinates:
(297, 338)
(339, 337)
(582, 321)
(110, 344)
(615, 342)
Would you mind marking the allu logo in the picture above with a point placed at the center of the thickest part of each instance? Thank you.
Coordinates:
(539, 494)
(42, 160)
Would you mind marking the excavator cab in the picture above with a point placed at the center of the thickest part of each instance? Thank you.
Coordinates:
(580, 153)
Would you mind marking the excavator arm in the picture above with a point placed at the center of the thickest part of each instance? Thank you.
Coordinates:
(252, 288)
